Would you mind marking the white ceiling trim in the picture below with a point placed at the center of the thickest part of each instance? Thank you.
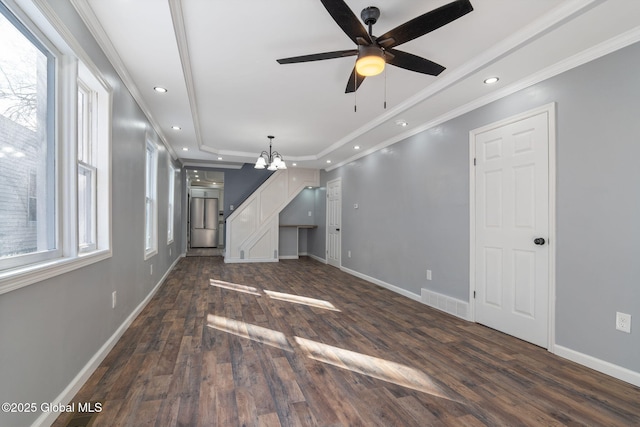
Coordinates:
(616, 43)
(91, 21)
(546, 23)
(177, 17)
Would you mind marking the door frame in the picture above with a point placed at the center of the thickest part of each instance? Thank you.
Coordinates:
(339, 179)
(550, 109)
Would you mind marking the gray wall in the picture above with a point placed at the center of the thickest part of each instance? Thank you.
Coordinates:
(50, 330)
(293, 242)
(414, 205)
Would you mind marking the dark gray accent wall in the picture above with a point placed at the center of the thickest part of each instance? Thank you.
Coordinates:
(50, 330)
(413, 202)
(240, 184)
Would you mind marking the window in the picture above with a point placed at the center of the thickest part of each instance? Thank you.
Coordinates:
(170, 214)
(55, 168)
(151, 213)
(86, 169)
(28, 205)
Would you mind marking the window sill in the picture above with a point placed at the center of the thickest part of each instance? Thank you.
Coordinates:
(17, 278)
(150, 254)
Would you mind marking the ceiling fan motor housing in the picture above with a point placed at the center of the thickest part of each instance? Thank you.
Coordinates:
(370, 15)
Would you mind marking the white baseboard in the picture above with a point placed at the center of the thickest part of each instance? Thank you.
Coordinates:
(386, 285)
(458, 308)
(288, 257)
(47, 418)
(317, 258)
(247, 260)
(605, 367)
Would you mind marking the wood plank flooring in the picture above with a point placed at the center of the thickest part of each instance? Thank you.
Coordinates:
(299, 343)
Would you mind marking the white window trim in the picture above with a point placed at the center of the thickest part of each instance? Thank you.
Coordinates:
(151, 171)
(43, 22)
(171, 202)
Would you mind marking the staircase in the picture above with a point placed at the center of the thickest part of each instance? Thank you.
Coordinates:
(252, 229)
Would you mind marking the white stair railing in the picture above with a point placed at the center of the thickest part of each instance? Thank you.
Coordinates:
(252, 229)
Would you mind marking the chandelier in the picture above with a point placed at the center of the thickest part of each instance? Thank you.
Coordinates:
(271, 160)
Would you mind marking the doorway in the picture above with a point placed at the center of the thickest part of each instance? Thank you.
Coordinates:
(205, 215)
(334, 221)
(512, 199)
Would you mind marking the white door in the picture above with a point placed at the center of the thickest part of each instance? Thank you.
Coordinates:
(334, 220)
(512, 228)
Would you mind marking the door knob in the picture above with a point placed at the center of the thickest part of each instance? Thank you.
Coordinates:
(539, 241)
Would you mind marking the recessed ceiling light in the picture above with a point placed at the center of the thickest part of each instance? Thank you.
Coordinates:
(356, 147)
(160, 89)
(219, 158)
(401, 123)
(294, 164)
(176, 127)
(491, 80)
(185, 149)
(195, 171)
(328, 161)
(197, 176)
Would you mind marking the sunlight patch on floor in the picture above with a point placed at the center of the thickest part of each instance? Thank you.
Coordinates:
(312, 302)
(234, 287)
(374, 367)
(249, 331)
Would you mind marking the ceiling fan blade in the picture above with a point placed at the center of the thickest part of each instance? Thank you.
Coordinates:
(346, 20)
(355, 80)
(319, 56)
(412, 62)
(426, 23)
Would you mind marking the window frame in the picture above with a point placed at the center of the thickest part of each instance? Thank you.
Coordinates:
(151, 200)
(69, 57)
(51, 168)
(171, 200)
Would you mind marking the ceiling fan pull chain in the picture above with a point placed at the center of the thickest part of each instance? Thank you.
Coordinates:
(355, 92)
(385, 88)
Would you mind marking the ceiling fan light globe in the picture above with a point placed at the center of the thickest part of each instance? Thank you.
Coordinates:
(272, 167)
(282, 165)
(370, 61)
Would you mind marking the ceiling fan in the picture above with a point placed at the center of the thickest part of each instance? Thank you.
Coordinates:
(374, 52)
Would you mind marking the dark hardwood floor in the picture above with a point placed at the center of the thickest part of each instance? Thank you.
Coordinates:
(301, 343)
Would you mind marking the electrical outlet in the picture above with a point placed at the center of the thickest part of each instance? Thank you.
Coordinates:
(151, 269)
(623, 322)
(113, 299)
(428, 274)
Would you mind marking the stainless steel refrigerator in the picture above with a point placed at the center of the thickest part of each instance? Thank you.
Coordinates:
(204, 222)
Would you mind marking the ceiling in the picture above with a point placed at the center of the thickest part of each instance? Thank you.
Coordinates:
(226, 92)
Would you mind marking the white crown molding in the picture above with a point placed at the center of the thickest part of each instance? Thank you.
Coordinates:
(556, 17)
(93, 24)
(616, 43)
(179, 29)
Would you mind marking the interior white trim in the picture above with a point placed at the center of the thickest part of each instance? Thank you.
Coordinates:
(383, 284)
(595, 52)
(47, 418)
(599, 365)
(454, 306)
(550, 109)
(91, 21)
